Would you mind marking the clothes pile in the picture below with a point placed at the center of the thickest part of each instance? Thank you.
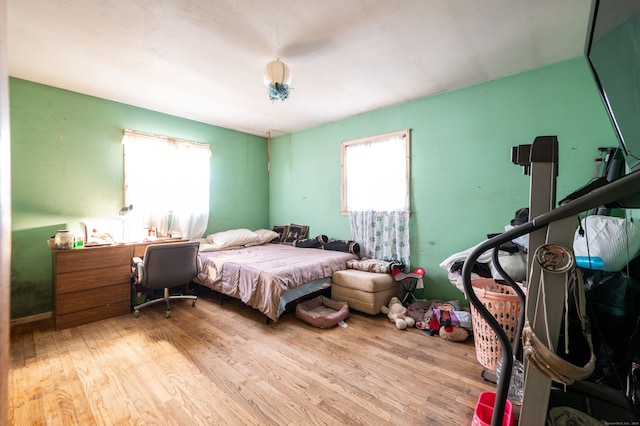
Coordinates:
(512, 257)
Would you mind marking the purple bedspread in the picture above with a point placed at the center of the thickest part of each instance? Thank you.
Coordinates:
(259, 275)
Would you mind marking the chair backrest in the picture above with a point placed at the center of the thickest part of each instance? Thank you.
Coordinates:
(170, 264)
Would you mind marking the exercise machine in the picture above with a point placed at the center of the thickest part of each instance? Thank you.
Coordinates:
(547, 225)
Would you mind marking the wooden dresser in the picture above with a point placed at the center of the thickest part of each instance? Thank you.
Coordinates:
(93, 283)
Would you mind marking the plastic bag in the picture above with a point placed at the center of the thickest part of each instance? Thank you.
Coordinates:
(516, 384)
(514, 264)
(615, 240)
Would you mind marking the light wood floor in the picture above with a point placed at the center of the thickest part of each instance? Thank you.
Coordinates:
(222, 364)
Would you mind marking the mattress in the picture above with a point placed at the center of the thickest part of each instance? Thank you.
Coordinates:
(261, 275)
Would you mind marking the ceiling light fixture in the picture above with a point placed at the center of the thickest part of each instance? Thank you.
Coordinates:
(277, 79)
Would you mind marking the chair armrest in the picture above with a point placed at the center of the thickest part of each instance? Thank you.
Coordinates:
(137, 269)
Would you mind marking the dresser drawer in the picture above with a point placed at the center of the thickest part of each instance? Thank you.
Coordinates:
(90, 258)
(93, 278)
(93, 298)
(89, 315)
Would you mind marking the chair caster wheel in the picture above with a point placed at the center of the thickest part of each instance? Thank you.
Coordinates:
(193, 304)
(168, 314)
(136, 314)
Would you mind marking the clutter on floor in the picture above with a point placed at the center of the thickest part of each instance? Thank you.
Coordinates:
(442, 318)
(397, 314)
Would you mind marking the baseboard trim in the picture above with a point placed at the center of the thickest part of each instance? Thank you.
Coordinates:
(32, 318)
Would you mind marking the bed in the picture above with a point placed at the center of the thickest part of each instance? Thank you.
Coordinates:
(268, 276)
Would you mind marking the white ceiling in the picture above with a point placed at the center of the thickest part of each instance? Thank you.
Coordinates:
(203, 59)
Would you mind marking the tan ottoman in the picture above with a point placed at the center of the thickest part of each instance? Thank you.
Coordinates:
(364, 291)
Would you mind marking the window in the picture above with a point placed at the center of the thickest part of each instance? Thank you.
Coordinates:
(375, 194)
(375, 173)
(166, 181)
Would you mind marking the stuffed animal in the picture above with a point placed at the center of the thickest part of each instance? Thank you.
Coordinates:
(397, 313)
(445, 323)
(445, 319)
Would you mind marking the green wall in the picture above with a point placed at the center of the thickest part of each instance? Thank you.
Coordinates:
(463, 183)
(67, 165)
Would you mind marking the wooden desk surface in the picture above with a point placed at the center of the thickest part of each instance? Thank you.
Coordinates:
(139, 248)
(143, 243)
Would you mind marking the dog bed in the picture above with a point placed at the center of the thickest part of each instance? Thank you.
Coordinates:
(322, 312)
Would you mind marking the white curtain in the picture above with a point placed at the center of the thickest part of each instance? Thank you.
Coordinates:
(382, 235)
(167, 182)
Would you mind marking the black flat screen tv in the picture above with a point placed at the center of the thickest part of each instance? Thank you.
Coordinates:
(613, 53)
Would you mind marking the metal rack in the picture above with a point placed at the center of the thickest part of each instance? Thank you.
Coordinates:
(549, 225)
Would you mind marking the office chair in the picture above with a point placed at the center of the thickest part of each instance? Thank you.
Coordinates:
(165, 266)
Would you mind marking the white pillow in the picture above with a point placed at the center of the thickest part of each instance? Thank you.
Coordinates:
(264, 236)
(233, 238)
(207, 246)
